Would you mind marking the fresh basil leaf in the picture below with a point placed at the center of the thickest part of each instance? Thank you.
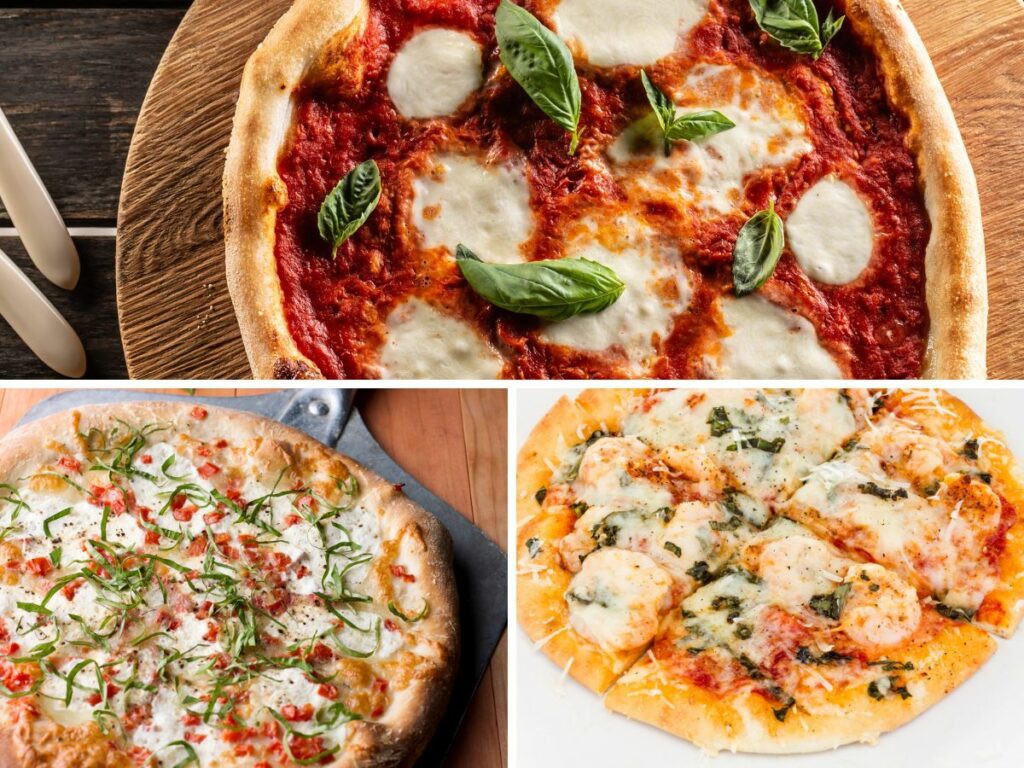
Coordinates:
(542, 64)
(349, 204)
(553, 290)
(831, 27)
(757, 251)
(697, 125)
(794, 24)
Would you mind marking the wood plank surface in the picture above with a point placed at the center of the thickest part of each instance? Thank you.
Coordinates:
(454, 442)
(976, 45)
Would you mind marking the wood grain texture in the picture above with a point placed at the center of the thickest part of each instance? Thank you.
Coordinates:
(976, 45)
(454, 442)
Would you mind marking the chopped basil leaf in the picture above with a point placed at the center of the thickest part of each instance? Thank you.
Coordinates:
(541, 495)
(873, 489)
(533, 547)
(719, 421)
(831, 605)
(674, 549)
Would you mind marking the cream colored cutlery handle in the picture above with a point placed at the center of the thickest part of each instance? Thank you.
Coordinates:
(38, 322)
(33, 213)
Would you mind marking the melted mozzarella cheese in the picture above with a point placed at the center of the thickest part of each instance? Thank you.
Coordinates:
(165, 727)
(657, 289)
(614, 32)
(769, 132)
(485, 207)
(424, 343)
(770, 342)
(886, 616)
(434, 73)
(617, 598)
(830, 233)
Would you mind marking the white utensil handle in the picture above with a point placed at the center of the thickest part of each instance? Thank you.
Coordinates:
(38, 322)
(33, 213)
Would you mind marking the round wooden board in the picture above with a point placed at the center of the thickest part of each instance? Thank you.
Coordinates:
(176, 317)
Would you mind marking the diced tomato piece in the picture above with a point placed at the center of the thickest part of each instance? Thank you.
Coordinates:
(377, 712)
(307, 502)
(211, 633)
(93, 699)
(271, 730)
(40, 566)
(320, 652)
(112, 690)
(10, 650)
(152, 537)
(139, 755)
(294, 714)
(197, 547)
(145, 514)
(191, 720)
(221, 444)
(390, 626)
(71, 589)
(184, 514)
(15, 678)
(204, 450)
(291, 519)
(280, 560)
(212, 518)
(204, 610)
(301, 572)
(262, 764)
(195, 738)
(399, 572)
(70, 464)
(305, 749)
(244, 750)
(329, 692)
(199, 413)
(146, 458)
(135, 716)
(380, 684)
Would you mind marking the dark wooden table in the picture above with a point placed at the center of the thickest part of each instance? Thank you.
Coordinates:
(73, 75)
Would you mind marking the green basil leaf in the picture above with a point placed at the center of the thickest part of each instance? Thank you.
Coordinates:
(553, 290)
(697, 125)
(757, 251)
(542, 64)
(794, 24)
(831, 27)
(349, 205)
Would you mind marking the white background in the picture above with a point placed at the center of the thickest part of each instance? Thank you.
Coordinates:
(557, 722)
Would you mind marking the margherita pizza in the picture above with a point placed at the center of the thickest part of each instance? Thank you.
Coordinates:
(191, 587)
(769, 571)
(601, 189)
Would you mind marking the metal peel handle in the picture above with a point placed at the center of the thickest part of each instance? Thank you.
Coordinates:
(33, 213)
(38, 322)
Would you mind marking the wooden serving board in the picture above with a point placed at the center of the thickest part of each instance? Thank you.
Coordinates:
(176, 317)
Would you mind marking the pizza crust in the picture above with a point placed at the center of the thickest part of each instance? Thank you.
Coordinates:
(399, 737)
(956, 283)
(253, 190)
(319, 30)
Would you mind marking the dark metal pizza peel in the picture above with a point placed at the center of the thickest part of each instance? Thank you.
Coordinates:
(328, 415)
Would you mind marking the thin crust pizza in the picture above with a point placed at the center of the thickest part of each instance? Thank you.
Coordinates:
(593, 189)
(773, 571)
(191, 586)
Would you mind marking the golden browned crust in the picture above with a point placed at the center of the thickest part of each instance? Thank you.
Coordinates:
(398, 738)
(956, 283)
(745, 722)
(253, 191)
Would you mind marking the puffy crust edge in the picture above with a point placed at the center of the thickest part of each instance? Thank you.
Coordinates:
(253, 190)
(956, 282)
(744, 722)
(408, 728)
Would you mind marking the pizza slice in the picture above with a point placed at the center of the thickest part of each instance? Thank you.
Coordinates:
(929, 491)
(797, 648)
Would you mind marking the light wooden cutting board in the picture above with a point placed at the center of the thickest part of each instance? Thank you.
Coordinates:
(176, 317)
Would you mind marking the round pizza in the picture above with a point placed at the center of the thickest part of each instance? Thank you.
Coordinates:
(772, 571)
(669, 189)
(183, 586)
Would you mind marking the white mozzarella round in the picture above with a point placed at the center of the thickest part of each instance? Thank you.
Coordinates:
(424, 343)
(769, 132)
(484, 207)
(830, 233)
(769, 342)
(657, 290)
(434, 73)
(617, 598)
(614, 32)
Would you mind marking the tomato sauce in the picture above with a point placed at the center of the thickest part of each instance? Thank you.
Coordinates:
(336, 310)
